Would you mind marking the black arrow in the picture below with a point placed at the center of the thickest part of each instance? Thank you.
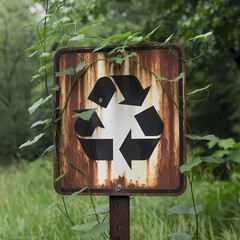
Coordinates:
(98, 149)
(137, 149)
(150, 122)
(131, 89)
(102, 91)
(86, 128)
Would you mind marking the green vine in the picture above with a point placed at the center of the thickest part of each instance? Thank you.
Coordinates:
(67, 30)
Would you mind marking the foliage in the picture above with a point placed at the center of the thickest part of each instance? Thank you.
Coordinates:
(64, 24)
(75, 23)
(188, 19)
(219, 65)
(16, 89)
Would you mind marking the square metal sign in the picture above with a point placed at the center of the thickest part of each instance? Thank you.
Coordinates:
(120, 121)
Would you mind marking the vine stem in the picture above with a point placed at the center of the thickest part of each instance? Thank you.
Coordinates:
(190, 175)
(66, 214)
(45, 78)
(182, 114)
(190, 179)
(44, 47)
(188, 126)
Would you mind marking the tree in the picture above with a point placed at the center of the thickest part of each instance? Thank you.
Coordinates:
(219, 65)
(15, 93)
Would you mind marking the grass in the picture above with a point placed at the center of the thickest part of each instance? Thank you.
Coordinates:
(26, 194)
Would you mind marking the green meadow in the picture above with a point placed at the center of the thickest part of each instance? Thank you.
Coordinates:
(28, 209)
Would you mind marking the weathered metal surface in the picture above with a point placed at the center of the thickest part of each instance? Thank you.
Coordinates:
(158, 175)
(119, 218)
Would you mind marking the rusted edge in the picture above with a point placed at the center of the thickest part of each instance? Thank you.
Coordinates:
(182, 125)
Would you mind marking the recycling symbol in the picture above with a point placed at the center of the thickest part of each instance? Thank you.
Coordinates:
(148, 120)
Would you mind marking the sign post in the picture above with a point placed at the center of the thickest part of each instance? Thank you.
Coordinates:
(121, 129)
(119, 218)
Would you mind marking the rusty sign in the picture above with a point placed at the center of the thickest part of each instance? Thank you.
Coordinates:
(120, 127)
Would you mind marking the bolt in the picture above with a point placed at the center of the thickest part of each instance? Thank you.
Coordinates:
(118, 187)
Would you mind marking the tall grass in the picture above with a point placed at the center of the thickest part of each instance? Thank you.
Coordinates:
(27, 192)
(219, 221)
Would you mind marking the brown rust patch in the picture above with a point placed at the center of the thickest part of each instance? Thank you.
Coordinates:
(109, 172)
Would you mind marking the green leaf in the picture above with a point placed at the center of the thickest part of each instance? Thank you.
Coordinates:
(210, 159)
(235, 156)
(201, 138)
(100, 47)
(56, 88)
(57, 202)
(179, 236)
(226, 143)
(102, 209)
(87, 29)
(80, 67)
(40, 122)
(85, 115)
(60, 22)
(77, 38)
(37, 104)
(168, 39)
(200, 90)
(118, 59)
(36, 47)
(180, 76)
(188, 166)
(44, 55)
(201, 37)
(69, 71)
(60, 177)
(120, 49)
(151, 33)
(185, 209)
(70, 198)
(133, 39)
(95, 231)
(49, 149)
(32, 54)
(42, 69)
(132, 54)
(35, 77)
(84, 227)
(118, 37)
(221, 153)
(212, 143)
(65, 19)
(28, 143)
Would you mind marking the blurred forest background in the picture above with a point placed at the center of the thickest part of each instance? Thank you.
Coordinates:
(218, 66)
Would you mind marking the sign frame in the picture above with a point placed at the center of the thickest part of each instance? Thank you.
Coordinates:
(118, 190)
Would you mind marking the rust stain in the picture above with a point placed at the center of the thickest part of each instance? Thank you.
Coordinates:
(148, 172)
(161, 171)
(109, 172)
